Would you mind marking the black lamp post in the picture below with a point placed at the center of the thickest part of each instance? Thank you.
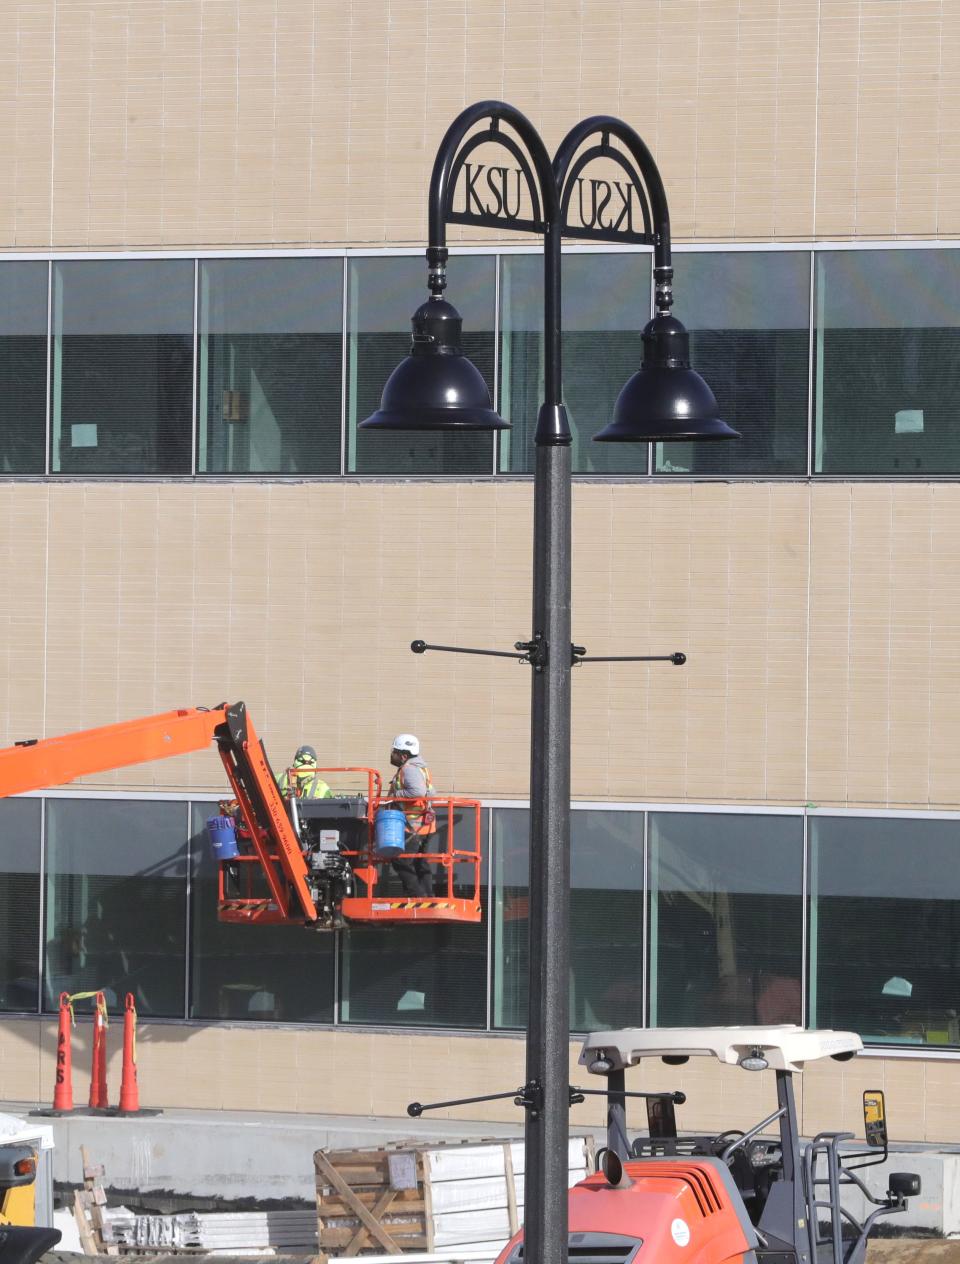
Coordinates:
(437, 388)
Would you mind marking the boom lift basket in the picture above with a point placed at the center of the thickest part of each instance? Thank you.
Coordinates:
(453, 857)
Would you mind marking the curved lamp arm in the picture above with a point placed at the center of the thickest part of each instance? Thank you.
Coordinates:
(552, 427)
(605, 126)
(443, 165)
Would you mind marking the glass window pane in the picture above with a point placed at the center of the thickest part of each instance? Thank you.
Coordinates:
(748, 316)
(254, 973)
(271, 365)
(417, 976)
(122, 384)
(382, 295)
(888, 362)
(726, 919)
(885, 928)
(23, 367)
(606, 302)
(19, 903)
(606, 919)
(116, 902)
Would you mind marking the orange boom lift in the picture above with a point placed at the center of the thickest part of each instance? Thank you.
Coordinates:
(304, 862)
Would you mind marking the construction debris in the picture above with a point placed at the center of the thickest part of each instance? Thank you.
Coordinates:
(88, 1207)
(119, 1231)
(425, 1196)
(288, 1232)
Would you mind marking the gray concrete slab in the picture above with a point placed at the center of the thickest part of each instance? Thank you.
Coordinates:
(229, 1154)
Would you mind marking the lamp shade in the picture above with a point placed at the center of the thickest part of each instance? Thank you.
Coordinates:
(665, 400)
(436, 387)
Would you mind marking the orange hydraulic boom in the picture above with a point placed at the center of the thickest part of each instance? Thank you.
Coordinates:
(279, 855)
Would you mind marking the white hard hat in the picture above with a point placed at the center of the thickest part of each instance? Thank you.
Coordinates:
(406, 742)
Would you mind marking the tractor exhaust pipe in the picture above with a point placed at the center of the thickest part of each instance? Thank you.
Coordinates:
(611, 1165)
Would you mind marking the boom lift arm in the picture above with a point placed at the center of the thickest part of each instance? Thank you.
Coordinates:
(37, 764)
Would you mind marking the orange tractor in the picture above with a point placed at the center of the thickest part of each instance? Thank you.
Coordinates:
(756, 1196)
(323, 863)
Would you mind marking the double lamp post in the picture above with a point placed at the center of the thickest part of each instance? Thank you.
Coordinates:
(436, 388)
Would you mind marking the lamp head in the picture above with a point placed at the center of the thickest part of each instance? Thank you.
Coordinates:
(436, 387)
(666, 400)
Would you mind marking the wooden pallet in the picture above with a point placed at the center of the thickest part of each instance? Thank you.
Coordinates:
(88, 1204)
(423, 1196)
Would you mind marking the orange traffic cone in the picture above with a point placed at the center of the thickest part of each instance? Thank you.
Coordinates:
(129, 1089)
(98, 1072)
(63, 1087)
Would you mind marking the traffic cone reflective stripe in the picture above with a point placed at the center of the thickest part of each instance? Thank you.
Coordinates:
(63, 1085)
(98, 1072)
(129, 1089)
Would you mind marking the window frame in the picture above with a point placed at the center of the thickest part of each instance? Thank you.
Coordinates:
(496, 251)
(950, 1053)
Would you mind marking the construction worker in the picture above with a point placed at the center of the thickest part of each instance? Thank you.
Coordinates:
(306, 782)
(412, 787)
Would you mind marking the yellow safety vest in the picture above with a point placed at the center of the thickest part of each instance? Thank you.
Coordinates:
(421, 818)
(307, 784)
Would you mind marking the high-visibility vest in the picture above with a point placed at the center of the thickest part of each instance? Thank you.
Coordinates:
(420, 816)
(307, 784)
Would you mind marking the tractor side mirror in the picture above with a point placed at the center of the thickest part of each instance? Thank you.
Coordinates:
(875, 1118)
(904, 1185)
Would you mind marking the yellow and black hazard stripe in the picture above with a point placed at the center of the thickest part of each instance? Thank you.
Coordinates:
(420, 904)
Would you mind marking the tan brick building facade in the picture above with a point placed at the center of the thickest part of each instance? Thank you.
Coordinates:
(819, 617)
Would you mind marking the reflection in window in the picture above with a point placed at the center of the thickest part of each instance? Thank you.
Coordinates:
(23, 367)
(19, 903)
(116, 902)
(606, 303)
(748, 316)
(382, 295)
(122, 383)
(254, 973)
(888, 362)
(606, 919)
(418, 976)
(726, 918)
(271, 354)
(885, 928)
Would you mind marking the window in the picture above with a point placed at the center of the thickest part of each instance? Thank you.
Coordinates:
(116, 902)
(748, 316)
(19, 903)
(382, 295)
(888, 362)
(606, 919)
(606, 303)
(270, 366)
(419, 976)
(254, 973)
(122, 384)
(885, 928)
(726, 919)
(23, 367)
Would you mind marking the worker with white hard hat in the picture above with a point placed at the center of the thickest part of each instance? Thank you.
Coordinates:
(411, 787)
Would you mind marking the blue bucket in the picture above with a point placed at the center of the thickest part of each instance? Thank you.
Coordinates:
(389, 833)
(222, 832)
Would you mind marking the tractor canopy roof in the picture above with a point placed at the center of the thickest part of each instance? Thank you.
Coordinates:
(782, 1048)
